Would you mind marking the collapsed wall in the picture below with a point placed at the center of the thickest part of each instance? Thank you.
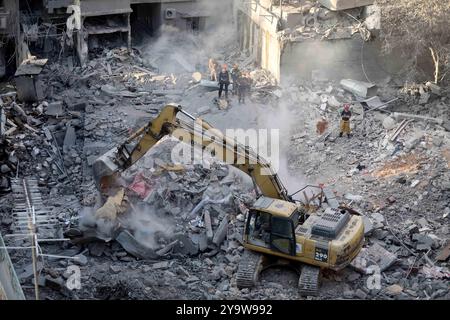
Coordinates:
(315, 39)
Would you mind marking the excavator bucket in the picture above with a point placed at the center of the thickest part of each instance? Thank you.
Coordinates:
(105, 169)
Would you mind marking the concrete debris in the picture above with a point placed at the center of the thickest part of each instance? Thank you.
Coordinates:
(434, 88)
(161, 265)
(444, 254)
(185, 246)
(70, 138)
(353, 197)
(338, 5)
(185, 222)
(424, 242)
(55, 109)
(400, 115)
(368, 226)
(133, 247)
(394, 289)
(203, 110)
(221, 232)
(80, 260)
(28, 80)
(436, 272)
(167, 248)
(209, 230)
(359, 88)
(374, 255)
(389, 123)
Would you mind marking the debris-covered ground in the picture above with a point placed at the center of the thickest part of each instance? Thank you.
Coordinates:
(179, 236)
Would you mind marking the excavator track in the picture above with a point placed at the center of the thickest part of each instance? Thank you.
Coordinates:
(308, 282)
(249, 269)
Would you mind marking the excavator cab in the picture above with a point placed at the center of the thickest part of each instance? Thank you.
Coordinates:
(271, 232)
(271, 226)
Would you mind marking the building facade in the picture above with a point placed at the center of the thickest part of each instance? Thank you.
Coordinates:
(315, 39)
(38, 27)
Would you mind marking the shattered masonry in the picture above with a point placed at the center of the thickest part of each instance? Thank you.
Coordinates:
(175, 231)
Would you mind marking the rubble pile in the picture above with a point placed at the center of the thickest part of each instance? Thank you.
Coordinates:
(172, 208)
(308, 20)
(393, 170)
(41, 140)
(265, 88)
(173, 231)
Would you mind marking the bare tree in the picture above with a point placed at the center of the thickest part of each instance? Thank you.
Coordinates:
(418, 27)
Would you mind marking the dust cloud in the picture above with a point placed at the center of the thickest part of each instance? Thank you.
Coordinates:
(175, 51)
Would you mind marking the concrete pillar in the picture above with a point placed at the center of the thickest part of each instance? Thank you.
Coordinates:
(129, 32)
(245, 26)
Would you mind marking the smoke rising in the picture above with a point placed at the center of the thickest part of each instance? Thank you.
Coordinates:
(175, 51)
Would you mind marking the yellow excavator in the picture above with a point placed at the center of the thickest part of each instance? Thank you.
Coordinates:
(277, 229)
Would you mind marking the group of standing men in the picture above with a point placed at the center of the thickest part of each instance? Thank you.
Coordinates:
(241, 80)
(242, 83)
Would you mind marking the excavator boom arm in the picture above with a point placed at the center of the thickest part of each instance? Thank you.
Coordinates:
(198, 133)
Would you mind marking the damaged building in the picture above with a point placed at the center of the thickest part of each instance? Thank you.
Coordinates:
(49, 26)
(95, 202)
(315, 39)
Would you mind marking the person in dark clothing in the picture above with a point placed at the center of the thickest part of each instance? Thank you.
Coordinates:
(235, 75)
(224, 81)
(346, 114)
(245, 82)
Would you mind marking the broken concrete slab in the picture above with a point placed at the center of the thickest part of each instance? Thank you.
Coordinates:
(338, 5)
(424, 242)
(330, 198)
(96, 248)
(221, 232)
(359, 88)
(203, 242)
(167, 248)
(134, 247)
(377, 219)
(203, 110)
(27, 78)
(374, 255)
(209, 84)
(412, 229)
(360, 294)
(200, 240)
(368, 226)
(434, 88)
(160, 265)
(80, 259)
(185, 246)
(389, 123)
(208, 226)
(435, 272)
(115, 269)
(353, 197)
(70, 138)
(55, 284)
(444, 254)
(401, 116)
(55, 109)
(167, 92)
(27, 271)
(81, 107)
